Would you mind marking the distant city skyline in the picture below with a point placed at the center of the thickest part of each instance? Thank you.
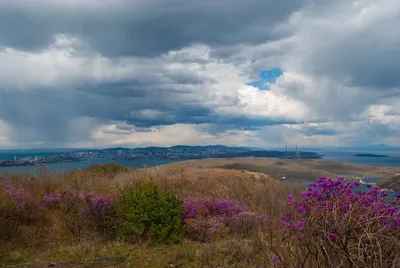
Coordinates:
(380, 147)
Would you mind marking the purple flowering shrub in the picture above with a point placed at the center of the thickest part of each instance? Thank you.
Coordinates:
(101, 213)
(80, 212)
(204, 217)
(52, 200)
(334, 225)
(16, 208)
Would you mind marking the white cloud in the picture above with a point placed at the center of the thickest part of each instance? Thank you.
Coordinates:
(340, 83)
(189, 134)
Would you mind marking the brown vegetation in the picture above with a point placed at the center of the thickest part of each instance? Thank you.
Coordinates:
(392, 182)
(294, 170)
(43, 238)
(46, 239)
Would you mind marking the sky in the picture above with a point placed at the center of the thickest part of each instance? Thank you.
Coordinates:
(262, 73)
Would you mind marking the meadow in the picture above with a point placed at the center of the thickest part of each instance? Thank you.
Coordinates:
(186, 216)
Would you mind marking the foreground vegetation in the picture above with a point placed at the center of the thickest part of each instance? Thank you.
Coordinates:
(192, 217)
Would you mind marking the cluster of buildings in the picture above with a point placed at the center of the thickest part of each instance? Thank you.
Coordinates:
(160, 153)
(37, 160)
(146, 153)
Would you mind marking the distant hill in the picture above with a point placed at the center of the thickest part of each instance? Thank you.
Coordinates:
(197, 152)
(175, 153)
(370, 155)
(186, 147)
(293, 170)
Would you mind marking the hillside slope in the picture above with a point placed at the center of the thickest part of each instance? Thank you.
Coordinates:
(293, 170)
(392, 183)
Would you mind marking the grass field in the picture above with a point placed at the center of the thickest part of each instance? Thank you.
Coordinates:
(39, 236)
(294, 170)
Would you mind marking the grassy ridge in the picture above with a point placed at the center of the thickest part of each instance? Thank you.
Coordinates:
(392, 182)
(45, 238)
(231, 218)
(294, 170)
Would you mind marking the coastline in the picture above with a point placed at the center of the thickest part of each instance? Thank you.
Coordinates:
(303, 170)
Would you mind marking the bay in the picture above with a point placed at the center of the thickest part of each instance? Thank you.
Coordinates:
(57, 167)
(332, 155)
(345, 156)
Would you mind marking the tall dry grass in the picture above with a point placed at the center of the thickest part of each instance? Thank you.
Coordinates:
(42, 233)
(47, 229)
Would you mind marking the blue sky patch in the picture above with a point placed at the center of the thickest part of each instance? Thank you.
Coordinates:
(266, 77)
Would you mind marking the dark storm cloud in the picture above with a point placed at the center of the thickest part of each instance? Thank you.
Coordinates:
(310, 131)
(143, 28)
(156, 110)
(340, 58)
(37, 114)
(117, 89)
(377, 129)
(366, 59)
(44, 115)
(354, 42)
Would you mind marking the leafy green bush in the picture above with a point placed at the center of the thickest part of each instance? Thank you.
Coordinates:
(145, 212)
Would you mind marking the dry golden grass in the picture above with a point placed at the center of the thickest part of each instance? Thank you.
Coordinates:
(392, 182)
(48, 241)
(259, 191)
(295, 170)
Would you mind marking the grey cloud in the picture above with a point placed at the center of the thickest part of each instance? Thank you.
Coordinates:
(144, 28)
(310, 131)
(116, 89)
(125, 128)
(42, 116)
(350, 65)
(46, 115)
(143, 129)
(356, 43)
(367, 59)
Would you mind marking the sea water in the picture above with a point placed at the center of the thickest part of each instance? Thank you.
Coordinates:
(68, 166)
(336, 156)
(363, 187)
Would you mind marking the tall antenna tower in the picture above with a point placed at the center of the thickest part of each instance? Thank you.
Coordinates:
(286, 153)
(297, 154)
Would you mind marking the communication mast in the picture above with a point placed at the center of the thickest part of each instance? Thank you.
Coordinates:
(297, 154)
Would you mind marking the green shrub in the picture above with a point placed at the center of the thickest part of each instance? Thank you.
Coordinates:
(145, 212)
